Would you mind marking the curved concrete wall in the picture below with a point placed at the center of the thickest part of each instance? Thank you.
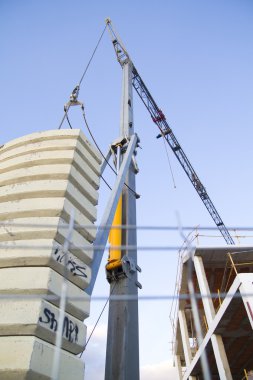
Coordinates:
(43, 178)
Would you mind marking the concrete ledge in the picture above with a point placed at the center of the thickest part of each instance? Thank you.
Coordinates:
(54, 134)
(29, 194)
(44, 281)
(51, 172)
(45, 252)
(52, 145)
(45, 188)
(53, 207)
(46, 228)
(48, 158)
(41, 319)
(32, 359)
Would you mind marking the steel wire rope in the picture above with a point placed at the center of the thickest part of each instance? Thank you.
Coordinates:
(70, 126)
(88, 64)
(82, 77)
(100, 315)
(107, 184)
(90, 248)
(168, 157)
(64, 116)
(131, 226)
(108, 163)
(153, 297)
(85, 120)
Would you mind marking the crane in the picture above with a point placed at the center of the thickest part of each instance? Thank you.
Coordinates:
(166, 132)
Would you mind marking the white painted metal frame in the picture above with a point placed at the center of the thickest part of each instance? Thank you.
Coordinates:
(217, 343)
(244, 283)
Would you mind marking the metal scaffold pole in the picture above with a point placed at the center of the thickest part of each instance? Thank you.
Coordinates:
(122, 353)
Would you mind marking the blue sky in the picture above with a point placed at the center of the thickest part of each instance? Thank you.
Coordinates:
(196, 58)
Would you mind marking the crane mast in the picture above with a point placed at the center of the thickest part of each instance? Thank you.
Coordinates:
(166, 132)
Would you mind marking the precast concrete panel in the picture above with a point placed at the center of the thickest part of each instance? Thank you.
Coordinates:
(51, 157)
(54, 172)
(34, 207)
(47, 207)
(48, 189)
(43, 282)
(63, 134)
(52, 145)
(30, 358)
(45, 252)
(41, 319)
(45, 179)
(46, 228)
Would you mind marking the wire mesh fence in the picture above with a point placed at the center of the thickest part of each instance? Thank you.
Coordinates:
(188, 239)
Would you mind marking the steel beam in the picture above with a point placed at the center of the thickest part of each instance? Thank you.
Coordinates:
(246, 290)
(217, 342)
(106, 222)
(105, 162)
(178, 367)
(122, 353)
(185, 337)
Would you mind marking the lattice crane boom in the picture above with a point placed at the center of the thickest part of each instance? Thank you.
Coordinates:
(165, 131)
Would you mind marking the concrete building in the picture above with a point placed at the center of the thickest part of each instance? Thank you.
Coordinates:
(44, 179)
(223, 277)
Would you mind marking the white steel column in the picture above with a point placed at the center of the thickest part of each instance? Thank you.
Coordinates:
(179, 367)
(246, 290)
(217, 343)
(204, 289)
(185, 337)
(185, 340)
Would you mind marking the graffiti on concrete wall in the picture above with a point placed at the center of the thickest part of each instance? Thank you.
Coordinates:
(70, 329)
(72, 265)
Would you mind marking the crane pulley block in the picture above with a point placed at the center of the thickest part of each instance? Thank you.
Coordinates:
(164, 133)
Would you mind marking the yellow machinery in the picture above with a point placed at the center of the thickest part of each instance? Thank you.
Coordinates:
(115, 239)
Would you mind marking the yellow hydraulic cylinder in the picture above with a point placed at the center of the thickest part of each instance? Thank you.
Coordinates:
(115, 239)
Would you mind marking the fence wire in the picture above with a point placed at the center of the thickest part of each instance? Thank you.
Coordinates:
(188, 243)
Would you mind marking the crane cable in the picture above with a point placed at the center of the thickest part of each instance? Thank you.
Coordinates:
(100, 315)
(81, 79)
(88, 64)
(96, 144)
(107, 184)
(108, 163)
(168, 157)
(74, 95)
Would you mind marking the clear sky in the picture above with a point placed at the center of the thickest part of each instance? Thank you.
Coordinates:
(196, 58)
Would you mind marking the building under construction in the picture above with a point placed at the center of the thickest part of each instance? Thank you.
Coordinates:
(213, 327)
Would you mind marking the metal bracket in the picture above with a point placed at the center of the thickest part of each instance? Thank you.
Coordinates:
(125, 268)
(120, 141)
(123, 143)
(73, 100)
(129, 267)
